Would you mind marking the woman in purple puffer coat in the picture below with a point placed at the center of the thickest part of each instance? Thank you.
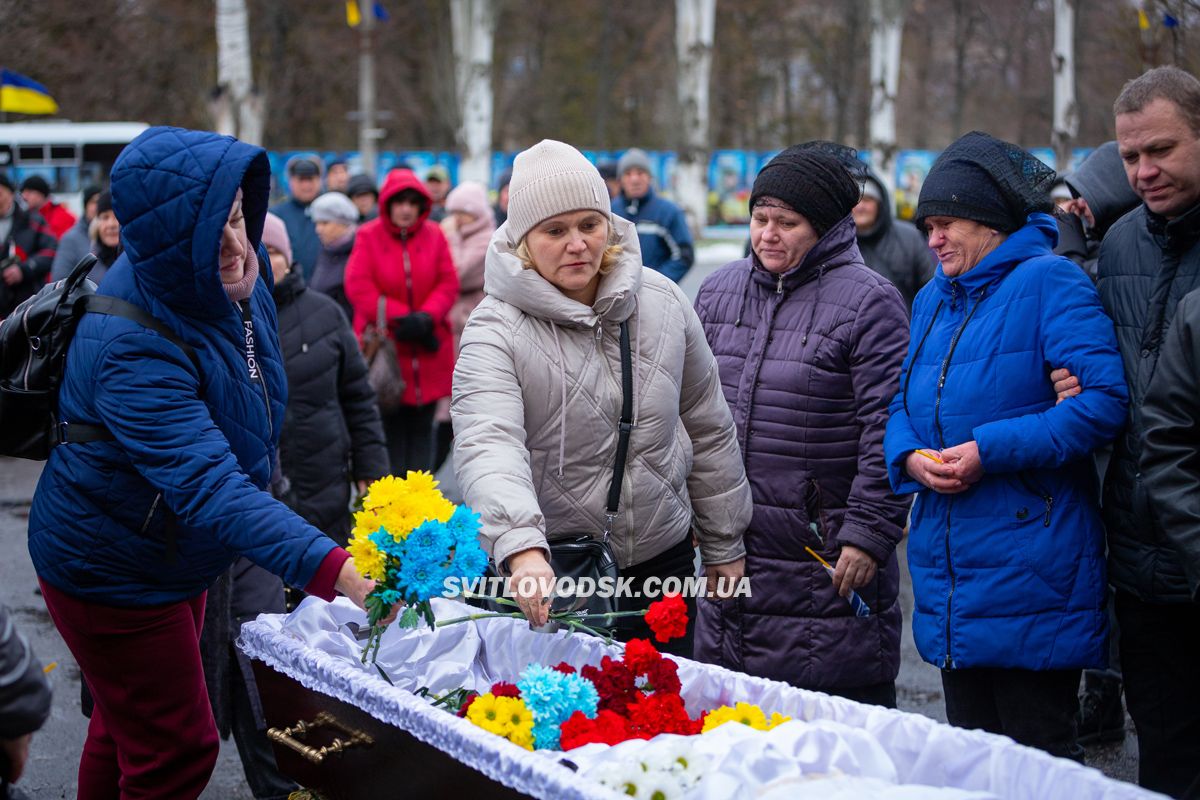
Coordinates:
(809, 342)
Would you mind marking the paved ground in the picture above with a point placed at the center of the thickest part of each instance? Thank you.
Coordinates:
(56, 749)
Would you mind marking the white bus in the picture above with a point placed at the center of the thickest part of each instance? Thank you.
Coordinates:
(69, 155)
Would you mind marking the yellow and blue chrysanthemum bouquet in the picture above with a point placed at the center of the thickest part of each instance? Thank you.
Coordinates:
(410, 540)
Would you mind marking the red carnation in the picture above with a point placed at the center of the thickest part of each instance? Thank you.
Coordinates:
(663, 676)
(668, 618)
(466, 704)
(640, 655)
(564, 668)
(661, 713)
(505, 689)
(614, 683)
(607, 728)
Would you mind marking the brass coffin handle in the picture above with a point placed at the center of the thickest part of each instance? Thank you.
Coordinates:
(316, 755)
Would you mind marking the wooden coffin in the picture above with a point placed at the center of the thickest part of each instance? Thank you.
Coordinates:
(344, 753)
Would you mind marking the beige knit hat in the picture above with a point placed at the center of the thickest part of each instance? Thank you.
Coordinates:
(552, 178)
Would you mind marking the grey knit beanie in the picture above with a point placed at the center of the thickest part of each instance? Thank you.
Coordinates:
(334, 207)
(552, 178)
(633, 158)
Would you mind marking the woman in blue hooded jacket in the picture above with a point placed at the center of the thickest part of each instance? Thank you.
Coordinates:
(1005, 547)
(128, 532)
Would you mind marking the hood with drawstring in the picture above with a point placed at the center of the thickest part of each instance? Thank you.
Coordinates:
(536, 401)
(158, 514)
(809, 361)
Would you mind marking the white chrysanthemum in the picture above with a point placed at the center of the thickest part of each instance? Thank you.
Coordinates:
(624, 778)
(660, 786)
(690, 767)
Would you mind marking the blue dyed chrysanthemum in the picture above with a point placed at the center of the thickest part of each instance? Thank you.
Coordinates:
(553, 697)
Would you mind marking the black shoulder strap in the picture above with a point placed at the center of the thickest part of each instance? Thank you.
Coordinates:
(102, 304)
(624, 428)
(79, 433)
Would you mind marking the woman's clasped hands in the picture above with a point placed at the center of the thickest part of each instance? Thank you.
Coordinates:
(948, 471)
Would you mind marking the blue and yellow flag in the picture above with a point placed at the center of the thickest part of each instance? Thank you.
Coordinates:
(20, 95)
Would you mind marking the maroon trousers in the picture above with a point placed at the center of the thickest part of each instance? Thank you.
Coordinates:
(152, 733)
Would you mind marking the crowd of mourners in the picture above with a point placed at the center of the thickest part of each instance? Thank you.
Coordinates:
(1012, 383)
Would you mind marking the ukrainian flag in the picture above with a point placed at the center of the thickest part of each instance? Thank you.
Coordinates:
(20, 95)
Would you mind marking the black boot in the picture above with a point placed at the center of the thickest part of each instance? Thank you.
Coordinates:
(1101, 714)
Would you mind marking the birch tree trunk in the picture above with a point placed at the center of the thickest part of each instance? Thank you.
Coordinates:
(694, 22)
(887, 26)
(1066, 112)
(237, 108)
(473, 23)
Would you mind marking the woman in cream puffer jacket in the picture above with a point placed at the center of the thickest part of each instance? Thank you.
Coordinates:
(537, 397)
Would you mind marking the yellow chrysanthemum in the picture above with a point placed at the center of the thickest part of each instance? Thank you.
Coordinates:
(522, 737)
(399, 505)
(515, 712)
(368, 559)
(485, 712)
(749, 715)
(777, 719)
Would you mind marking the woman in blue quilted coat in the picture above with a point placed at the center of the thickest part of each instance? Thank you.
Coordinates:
(128, 532)
(1005, 545)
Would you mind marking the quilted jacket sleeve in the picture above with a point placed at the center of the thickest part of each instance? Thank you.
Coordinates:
(147, 395)
(900, 438)
(717, 484)
(1170, 458)
(1077, 335)
(874, 516)
(491, 461)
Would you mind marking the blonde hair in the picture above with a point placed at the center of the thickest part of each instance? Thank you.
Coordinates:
(608, 261)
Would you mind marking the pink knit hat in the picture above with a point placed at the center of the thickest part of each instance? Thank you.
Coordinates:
(275, 235)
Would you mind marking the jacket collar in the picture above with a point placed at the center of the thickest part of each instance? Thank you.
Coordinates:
(632, 204)
(505, 278)
(1036, 237)
(836, 248)
(289, 288)
(1178, 233)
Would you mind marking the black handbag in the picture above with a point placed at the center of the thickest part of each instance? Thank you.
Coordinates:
(584, 557)
(383, 367)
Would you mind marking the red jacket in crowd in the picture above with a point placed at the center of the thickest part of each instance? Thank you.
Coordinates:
(414, 270)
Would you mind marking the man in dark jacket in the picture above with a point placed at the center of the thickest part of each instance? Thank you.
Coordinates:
(1149, 260)
(26, 250)
(662, 229)
(304, 184)
(24, 701)
(1101, 195)
(35, 191)
(897, 251)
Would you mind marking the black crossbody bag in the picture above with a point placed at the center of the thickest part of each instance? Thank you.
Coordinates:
(584, 556)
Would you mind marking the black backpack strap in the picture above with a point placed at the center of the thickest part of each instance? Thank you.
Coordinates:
(624, 428)
(79, 433)
(102, 304)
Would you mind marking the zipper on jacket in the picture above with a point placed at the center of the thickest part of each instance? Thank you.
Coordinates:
(950, 596)
(779, 285)
(941, 383)
(252, 366)
(1047, 498)
(32, 345)
(408, 287)
(150, 514)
